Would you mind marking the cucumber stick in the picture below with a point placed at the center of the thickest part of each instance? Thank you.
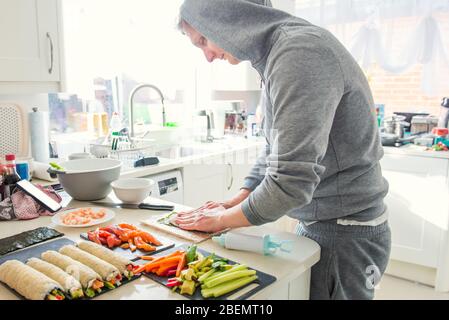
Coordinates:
(227, 287)
(237, 267)
(228, 277)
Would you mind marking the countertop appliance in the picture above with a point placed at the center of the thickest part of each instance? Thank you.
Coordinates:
(168, 186)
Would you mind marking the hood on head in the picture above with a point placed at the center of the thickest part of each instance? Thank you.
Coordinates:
(243, 28)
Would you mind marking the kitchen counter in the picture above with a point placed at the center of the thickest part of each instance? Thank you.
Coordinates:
(292, 270)
(414, 150)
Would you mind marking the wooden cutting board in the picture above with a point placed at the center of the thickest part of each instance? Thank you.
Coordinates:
(193, 236)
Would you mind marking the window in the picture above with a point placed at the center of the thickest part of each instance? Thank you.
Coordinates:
(400, 44)
(111, 46)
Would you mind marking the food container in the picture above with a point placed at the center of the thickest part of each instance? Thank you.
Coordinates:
(133, 190)
(89, 179)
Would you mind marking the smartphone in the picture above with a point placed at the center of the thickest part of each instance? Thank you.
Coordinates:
(38, 195)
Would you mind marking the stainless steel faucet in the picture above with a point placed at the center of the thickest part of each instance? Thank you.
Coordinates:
(131, 104)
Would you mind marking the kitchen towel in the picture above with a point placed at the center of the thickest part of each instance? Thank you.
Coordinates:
(21, 206)
(39, 131)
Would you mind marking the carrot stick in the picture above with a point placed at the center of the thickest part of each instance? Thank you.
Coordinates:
(163, 269)
(148, 258)
(181, 264)
(158, 263)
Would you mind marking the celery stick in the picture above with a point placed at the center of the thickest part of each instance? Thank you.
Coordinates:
(207, 293)
(227, 287)
(228, 277)
(206, 275)
(237, 267)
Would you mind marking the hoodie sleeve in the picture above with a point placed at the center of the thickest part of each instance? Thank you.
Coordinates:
(257, 173)
(305, 84)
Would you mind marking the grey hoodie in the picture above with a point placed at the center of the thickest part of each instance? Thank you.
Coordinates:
(323, 146)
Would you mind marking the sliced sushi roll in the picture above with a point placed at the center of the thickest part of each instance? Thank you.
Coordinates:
(29, 282)
(89, 279)
(125, 266)
(71, 286)
(106, 270)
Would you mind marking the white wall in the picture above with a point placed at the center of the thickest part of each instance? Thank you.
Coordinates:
(27, 102)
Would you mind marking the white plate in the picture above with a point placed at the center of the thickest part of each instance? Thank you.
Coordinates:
(57, 218)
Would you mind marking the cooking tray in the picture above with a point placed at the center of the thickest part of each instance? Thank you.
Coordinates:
(36, 252)
(27, 239)
(133, 256)
(263, 281)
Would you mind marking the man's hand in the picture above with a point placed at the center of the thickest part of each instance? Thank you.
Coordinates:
(206, 219)
(212, 220)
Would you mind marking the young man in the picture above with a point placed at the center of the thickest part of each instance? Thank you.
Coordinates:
(321, 164)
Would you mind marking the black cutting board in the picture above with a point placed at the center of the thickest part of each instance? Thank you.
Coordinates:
(27, 238)
(134, 256)
(36, 252)
(263, 281)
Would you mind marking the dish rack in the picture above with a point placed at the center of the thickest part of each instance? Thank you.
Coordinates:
(127, 156)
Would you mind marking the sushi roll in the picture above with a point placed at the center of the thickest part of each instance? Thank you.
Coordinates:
(71, 286)
(124, 265)
(89, 279)
(29, 282)
(106, 270)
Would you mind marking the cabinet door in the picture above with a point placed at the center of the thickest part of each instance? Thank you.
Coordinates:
(29, 40)
(203, 182)
(418, 207)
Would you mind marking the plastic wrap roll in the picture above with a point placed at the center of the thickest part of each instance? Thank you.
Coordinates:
(40, 171)
(39, 131)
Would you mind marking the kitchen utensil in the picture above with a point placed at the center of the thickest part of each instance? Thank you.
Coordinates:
(263, 280)
(132, 190)
(89, 179)
(13, 131)
(147, 206)
(408, 116)
(57, 218)
(393, 140)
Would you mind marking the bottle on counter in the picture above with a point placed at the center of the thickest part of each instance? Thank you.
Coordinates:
(265, 244)
(10, 176)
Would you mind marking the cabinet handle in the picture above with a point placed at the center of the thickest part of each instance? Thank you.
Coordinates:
(232, 177)
(50, 70)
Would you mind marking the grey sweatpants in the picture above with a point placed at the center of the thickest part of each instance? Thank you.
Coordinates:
(353, 259)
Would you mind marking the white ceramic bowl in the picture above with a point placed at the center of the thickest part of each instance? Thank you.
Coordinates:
(132, 190)
(89, 179)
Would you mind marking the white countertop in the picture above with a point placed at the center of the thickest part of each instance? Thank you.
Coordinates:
(419, 151)
(284, 266)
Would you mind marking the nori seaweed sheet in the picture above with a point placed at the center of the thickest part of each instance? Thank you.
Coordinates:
(26, 239)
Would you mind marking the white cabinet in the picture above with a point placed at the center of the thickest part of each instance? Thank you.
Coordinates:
(203, 182)
(29, 37)
(418, 207)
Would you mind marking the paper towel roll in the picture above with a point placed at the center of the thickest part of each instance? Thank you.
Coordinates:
(39, 131)
(40, 171)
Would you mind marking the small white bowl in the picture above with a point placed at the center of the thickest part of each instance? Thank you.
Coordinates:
(132, 190)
